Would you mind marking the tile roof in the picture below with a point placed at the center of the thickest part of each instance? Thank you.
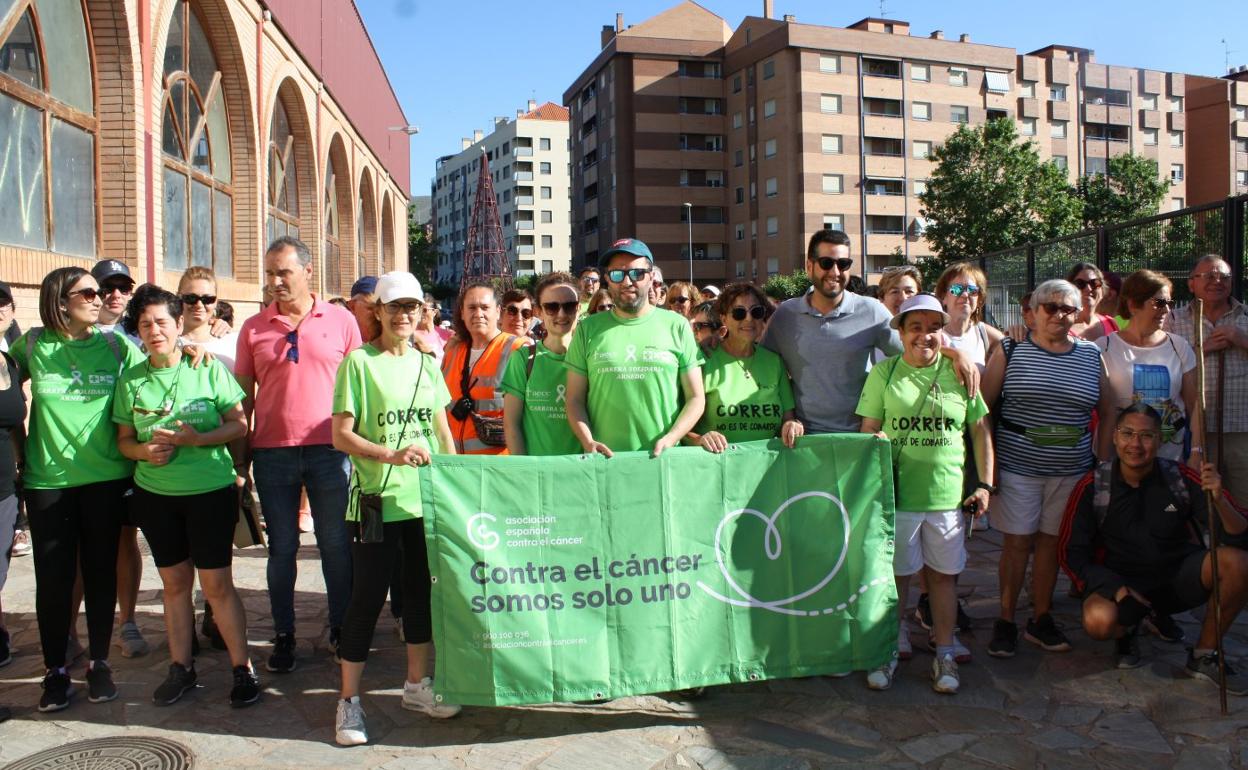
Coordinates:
(548, 111)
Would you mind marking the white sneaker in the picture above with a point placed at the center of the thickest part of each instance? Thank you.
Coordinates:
(349, 727)
(882, 677)
(420, 697)
(945, 675)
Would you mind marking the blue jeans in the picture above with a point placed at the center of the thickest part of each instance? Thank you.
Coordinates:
(280, 473)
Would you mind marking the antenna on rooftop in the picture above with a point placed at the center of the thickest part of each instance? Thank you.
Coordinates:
(1226, 56)
(883, 10)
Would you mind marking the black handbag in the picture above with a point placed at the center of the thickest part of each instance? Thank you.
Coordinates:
(371, 528)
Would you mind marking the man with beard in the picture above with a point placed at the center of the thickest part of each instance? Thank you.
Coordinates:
(635, 373)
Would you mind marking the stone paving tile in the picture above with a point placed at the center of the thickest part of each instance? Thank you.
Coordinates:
(1038, 709)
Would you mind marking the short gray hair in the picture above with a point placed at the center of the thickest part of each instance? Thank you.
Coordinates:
(1056, 289)
(289, 241)
(1207, 258)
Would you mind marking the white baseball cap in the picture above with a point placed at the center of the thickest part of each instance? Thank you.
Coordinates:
(922, 301)
(398, 284)
(711, 289)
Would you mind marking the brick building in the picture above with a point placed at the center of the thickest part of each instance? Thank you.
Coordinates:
(166, 133)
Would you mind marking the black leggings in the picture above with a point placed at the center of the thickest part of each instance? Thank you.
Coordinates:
(373, 567)
(67, 526)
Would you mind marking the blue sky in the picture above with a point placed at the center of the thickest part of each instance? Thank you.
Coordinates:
(455, 65)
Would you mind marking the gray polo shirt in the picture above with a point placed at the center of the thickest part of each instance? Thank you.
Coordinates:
(828, 356)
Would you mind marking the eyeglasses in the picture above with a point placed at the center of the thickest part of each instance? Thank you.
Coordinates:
(1085, 284)
(758, 312)
(680, 300)
(969, 289)
(1213, 275)
(292, 339)
(90, 295)
(1145, 436)
(411, 308)
(206, 299)
(590, 279)
(707, 326)
(1159, 303)
(523, 312)
(604, 307)
(568, 308)
(842, 263)
(1056, 308)
(118, 288)
(634, 274)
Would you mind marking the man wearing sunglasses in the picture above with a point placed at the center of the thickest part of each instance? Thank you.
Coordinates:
(635, 373)
(589, 281)
(827, 338)
(116, 288)
(288, 356)
(1226, 367)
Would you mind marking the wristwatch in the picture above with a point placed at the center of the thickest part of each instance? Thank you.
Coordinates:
(990, 489)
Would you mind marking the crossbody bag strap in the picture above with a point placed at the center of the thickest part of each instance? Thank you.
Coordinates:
(407, 418)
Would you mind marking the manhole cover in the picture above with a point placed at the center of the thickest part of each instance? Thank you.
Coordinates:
(122, 753)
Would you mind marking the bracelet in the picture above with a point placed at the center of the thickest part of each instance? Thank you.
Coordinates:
(990, 489)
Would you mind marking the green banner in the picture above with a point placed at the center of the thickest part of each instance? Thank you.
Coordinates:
(582, 577)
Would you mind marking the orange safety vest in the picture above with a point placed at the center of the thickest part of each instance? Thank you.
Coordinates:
(484, 377)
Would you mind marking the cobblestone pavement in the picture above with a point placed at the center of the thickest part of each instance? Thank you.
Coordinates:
(1037, 710)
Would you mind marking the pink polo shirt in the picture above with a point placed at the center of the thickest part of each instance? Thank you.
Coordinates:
(294, 401)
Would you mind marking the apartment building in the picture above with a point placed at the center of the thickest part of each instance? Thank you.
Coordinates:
(528, 162)
(1218, 115)
(763, 134)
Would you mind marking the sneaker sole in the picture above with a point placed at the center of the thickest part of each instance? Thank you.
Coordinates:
(7, 660)
(350, 740)
(1002, 653)
(1202, 676)
(1063, 647)
(174, 699)
(53, 707)
(946, 690)
(105, 699)
(269, 667)
(242, 704)
(427, 712)
(1127, 665)
(878, 688)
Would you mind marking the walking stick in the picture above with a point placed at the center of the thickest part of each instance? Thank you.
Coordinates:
(1212, 505)
(1218, 399)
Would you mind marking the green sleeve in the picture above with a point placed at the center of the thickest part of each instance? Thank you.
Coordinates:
(576, 360)
(976, 408)
(688, 353)
(871, 403)
(225, 389)
(515, 379)
(441, 393)
(346, 387)
(123, 401)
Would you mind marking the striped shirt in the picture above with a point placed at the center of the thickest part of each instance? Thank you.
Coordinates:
(1235, 383)
(1043, 389)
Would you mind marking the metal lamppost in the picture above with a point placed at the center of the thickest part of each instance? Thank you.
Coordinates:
(689, 215)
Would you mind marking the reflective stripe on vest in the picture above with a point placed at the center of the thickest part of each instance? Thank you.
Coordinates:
(494, 361)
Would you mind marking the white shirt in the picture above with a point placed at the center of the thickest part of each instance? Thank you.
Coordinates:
(1155, 377)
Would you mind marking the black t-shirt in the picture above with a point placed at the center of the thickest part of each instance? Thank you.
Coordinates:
(12, 412)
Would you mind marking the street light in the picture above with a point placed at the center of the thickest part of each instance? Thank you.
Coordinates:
(409, 130)
(689, 216)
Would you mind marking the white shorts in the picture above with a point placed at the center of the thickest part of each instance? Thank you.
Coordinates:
(1025, 505)
(936, 539)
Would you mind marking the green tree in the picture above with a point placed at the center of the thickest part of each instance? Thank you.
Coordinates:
(783, 287)
(422, 253)
(990, 191)
(1132, 190)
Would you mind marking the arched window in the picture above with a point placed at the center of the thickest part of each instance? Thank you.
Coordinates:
(333, 245)
(283, 188)
(198, 197)
(361, 245)
(47, 127)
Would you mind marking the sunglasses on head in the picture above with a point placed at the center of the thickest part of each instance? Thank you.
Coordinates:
(1088, 283)
(1159, 303)
(1057, 308)
(568, 308)
(842, 263)
(708, 326)
(206, 299)
(757, 312)
(90, 295)
(634, 274)
(292, 339)
(969, 289)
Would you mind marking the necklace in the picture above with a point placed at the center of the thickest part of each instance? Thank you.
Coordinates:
(167, 398)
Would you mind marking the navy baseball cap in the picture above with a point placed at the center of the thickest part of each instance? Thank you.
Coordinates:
(630, 246)
(109, 268)
(366, 284)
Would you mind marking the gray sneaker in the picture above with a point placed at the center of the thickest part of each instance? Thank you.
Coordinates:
(133, 645)
(945, 677)
(349, 727)
(1206, 667)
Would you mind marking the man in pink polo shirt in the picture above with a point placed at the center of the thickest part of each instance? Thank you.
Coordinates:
(288, 356)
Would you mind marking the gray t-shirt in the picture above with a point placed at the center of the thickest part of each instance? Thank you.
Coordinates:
(829, 356)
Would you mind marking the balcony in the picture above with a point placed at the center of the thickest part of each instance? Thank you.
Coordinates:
(523, 176)
(885, 225)
(525, 248)
(522, 152)
(523, 200)
(885, 108)
(524, 224)
(884, 187)
(886, 205)
(885, 166)
(879, 146)
(1107, 133)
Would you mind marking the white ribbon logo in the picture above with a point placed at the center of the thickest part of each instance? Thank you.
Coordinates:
(480, 534)
(560, 393)
(76, 376)
(630, 353)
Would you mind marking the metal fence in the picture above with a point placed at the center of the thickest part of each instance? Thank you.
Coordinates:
(1169, 243)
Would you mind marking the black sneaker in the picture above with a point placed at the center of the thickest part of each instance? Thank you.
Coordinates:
(100, 687)
(246, 690)
(6, 654)
(1206, 668)
(179, 682)
(282, 660)
(57, 688)
(964, 620)
(923, 612)
(1004, 639)
(1044, 632)
(210, 629)
(1127, 650)
(1164, 627)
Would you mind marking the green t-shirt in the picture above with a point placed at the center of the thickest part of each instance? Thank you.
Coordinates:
(931, 421)
(197, 396)
(746, 398)
(546, 428)
(72, 441)
(633, 366)
(376, 389)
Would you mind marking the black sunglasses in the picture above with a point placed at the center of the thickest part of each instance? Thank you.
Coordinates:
(680, 300)
(568, 308)
(292, 338)
(634, 274)
(206, 299)
(758, 312)
(523, 312)
(705, 326)
(843, 263)
(121, 288)
(1159, 303)
(1084, 283)
(90, 295)
(1056, 308)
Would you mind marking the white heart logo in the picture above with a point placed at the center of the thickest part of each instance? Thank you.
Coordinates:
(773, 546)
